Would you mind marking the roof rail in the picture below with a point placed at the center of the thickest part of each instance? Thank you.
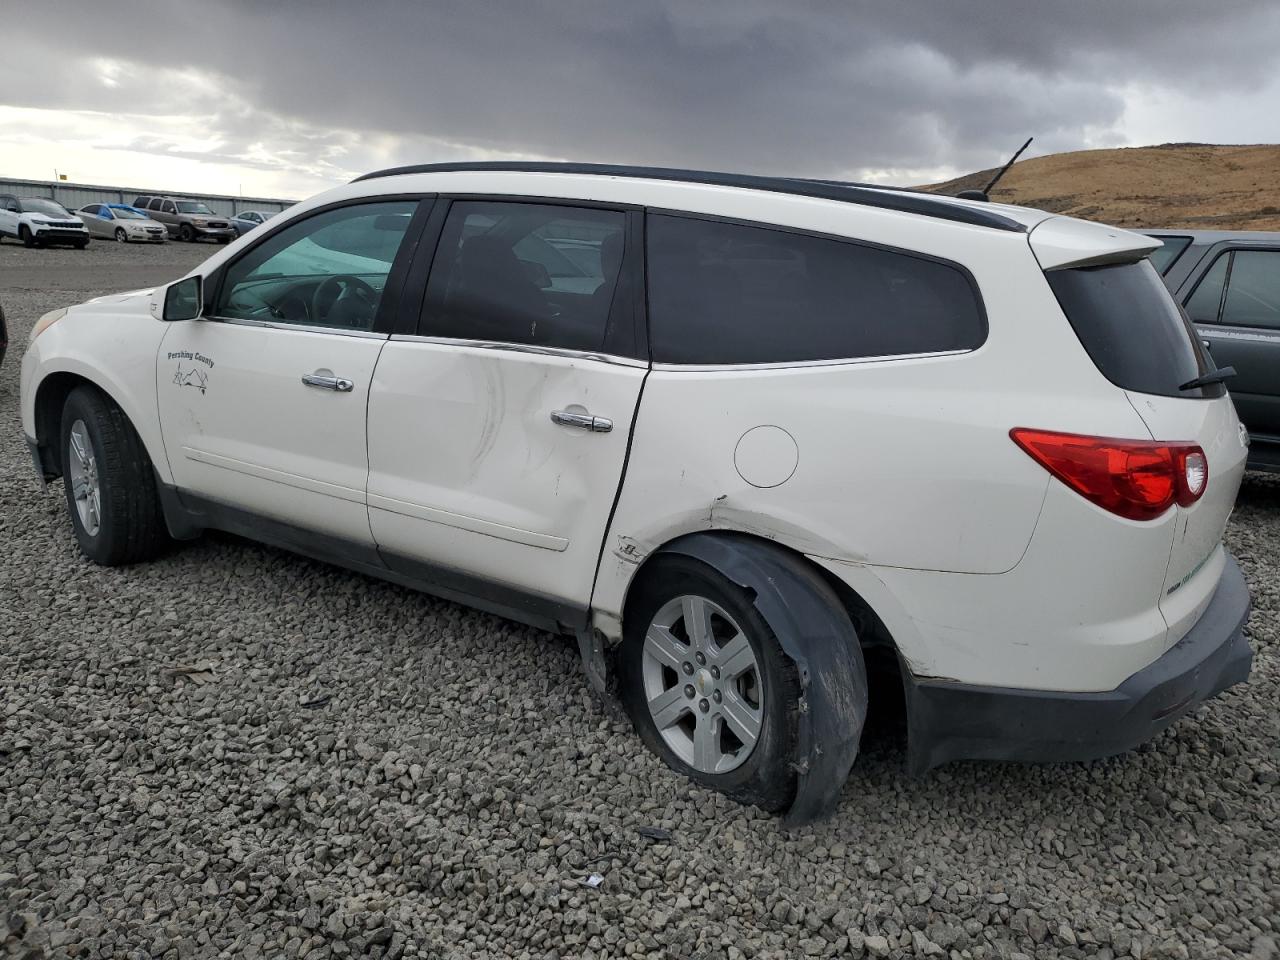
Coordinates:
(888, 198)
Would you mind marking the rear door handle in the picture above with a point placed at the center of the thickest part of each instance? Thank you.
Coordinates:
(327, 381)
(583, 421)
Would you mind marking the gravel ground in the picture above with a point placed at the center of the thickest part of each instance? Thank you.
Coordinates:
(234, 752)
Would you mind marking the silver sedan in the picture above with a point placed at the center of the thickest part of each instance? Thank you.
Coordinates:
(121, 222)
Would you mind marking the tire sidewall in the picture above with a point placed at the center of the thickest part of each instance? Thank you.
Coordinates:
(121, 236)
(766, 778)
(26, 236)
(83, 406)
(187, 234)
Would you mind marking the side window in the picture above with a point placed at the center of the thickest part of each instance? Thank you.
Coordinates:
(11, 204)
(328, 270)
(1202, 307)
(93, 209)
(526, 273)
(1163, 258)
(141, 202)
(1253, 289)
(725, 293)
(168, 207)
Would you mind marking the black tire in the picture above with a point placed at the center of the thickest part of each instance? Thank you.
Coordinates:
(121, 236)
(24, 234)
(81, 244)
(187, 233)
(132, 525)
(766, 778)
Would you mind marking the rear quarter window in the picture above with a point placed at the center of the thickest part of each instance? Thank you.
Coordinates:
(728, 293)
(1164, 258)
(1132, 329)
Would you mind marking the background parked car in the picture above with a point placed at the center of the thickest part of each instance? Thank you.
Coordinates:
(38, 222)
(121, 222)
(1229, 282)
(187, 220)
(246, 220)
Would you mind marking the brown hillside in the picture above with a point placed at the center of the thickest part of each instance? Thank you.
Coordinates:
(1188, 185)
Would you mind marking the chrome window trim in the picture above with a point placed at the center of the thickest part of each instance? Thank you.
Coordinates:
(304, 327)
(802, 364)
(525, 348)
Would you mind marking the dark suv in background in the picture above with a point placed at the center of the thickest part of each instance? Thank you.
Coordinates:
(1229, 283)
(187, 220)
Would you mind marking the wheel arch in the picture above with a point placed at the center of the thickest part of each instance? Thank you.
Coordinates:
(808, 615)
(50, 397)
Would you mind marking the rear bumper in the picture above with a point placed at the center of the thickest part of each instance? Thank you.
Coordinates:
(954, 721)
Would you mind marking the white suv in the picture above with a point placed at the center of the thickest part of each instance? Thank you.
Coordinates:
(38, 222)
(729, 432)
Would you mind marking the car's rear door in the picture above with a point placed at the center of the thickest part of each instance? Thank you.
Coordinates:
(262, 403)
(1236, 307)
(499, 417)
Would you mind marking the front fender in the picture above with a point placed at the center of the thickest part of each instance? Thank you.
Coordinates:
(117, 354)
(815, 632)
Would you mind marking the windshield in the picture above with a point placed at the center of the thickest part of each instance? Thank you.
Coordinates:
(190, 206)
(128, 213)
(49, 207)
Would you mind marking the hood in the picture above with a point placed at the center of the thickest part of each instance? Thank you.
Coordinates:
(111, 303)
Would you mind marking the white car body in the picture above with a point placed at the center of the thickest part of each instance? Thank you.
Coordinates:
(43, 226)
(897, 475)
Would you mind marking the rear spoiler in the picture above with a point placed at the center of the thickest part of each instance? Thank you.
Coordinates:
(1063, 242)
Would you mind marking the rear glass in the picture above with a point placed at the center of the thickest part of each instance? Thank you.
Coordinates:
(1132, 328)
(1163, 258)
(727, 293)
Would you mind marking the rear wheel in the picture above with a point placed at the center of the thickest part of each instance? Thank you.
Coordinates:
(121, 236)
(187, 233)
(707, 684)
(109, 482)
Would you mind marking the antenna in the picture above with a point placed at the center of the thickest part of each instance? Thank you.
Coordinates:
(984, 193)
(1001, 172)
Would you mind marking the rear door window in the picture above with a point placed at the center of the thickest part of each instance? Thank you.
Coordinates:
(528, 273)
(1206, 300)
(729, 293)
(1173, 248)
(1132, 328)
(1253, 289)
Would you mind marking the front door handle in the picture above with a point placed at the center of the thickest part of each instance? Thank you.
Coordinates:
(583, 421)
(327, 381)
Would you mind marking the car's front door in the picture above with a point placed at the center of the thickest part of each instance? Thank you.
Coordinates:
(498, 430)
(1236, 307)
(262, 403)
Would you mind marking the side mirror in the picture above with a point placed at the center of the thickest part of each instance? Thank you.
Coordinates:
(182, 300)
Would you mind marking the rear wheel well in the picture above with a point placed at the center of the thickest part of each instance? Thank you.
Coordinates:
(871, 630)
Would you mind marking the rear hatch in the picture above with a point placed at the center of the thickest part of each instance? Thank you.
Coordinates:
(1141, 340)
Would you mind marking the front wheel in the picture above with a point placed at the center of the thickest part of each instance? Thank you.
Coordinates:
(109, 482)
(121, 236)
(81, 244)
(25, 235)
(187, 233)
(707, 684)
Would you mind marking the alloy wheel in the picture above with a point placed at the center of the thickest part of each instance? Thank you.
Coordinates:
(85, 485)
(702, 684)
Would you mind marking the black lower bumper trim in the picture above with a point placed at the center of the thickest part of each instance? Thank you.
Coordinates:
(954, 721)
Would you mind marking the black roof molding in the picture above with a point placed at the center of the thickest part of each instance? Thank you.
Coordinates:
(888, 198)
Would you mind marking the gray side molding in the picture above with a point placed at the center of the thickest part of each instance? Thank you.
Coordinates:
(815, 632)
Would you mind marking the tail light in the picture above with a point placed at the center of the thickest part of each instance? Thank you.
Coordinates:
(1136, 479)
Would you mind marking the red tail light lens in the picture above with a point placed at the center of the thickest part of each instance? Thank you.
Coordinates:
(1136, 479)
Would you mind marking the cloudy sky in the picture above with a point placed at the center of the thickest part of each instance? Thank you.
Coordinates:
(288, 97)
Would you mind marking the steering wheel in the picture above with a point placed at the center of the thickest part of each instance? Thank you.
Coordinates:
(336, 289)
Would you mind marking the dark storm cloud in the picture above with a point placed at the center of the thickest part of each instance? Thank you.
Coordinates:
(817, 89)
